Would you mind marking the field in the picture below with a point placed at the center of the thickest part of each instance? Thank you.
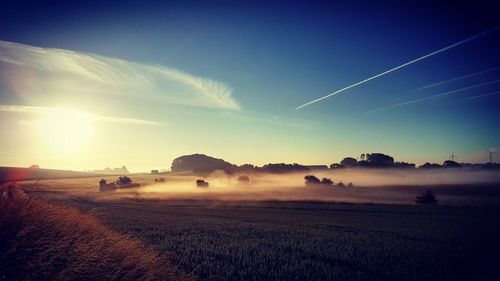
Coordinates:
(210, 238)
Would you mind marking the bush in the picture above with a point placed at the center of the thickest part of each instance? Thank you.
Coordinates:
(326, 181)
(106, 187)
(341, 184)
(123, 180)
(201, 183)
(310, 179)
(244, 179)
(427, 197)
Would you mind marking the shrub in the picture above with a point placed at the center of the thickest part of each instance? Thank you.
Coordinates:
(106, 187)
(326, 181)
(341, 184)
(244, 179)
(427, 197)
(201, 183)
(310, 179)
(123, 180)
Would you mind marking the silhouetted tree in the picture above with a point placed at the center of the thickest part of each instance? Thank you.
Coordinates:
(362, 156)
(326, 181)
(123, 180)
(336, 166)
(310, 179)
(363, 163)
(282, 168)
(379, 160)
(428, 165)
(246, 168)
(104, 186)
(404, 165)
(341, 184)
(427, 197)
(349, 162)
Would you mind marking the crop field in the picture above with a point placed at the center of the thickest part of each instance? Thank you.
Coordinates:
(305, 241)
(298, 240)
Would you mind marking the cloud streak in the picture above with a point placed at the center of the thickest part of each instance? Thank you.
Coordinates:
(66, 72)
(46, 109)
(486, 32)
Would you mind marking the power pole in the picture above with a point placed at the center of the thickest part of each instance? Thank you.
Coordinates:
(453, 157)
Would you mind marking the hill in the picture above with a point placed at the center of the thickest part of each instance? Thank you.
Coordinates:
(201, 163)
(17, 174)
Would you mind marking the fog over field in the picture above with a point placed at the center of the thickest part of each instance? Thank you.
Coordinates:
(452, 186)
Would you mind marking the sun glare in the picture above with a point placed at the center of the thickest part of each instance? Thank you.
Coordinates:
(65, 130)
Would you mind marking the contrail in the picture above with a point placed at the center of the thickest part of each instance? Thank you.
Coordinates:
(454, 79)
(486, 32)
(435, 96)
(483, 95)
(400, 95)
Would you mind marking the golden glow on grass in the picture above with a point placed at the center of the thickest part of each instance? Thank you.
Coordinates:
(65, 130)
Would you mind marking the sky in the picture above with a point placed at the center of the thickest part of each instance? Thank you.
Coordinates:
(86, 85)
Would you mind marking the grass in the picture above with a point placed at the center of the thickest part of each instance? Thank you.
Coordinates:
(40, 241)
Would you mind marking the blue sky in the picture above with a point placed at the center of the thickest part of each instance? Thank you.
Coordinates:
(272, 58)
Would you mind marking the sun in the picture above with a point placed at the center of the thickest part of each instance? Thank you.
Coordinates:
(64, 129)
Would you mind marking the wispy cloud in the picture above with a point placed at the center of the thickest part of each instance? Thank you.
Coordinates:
(71, 72)
(461, 42)
(434, 96)
(45, 110)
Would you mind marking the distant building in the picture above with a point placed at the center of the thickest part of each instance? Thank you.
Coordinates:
(115, 171)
